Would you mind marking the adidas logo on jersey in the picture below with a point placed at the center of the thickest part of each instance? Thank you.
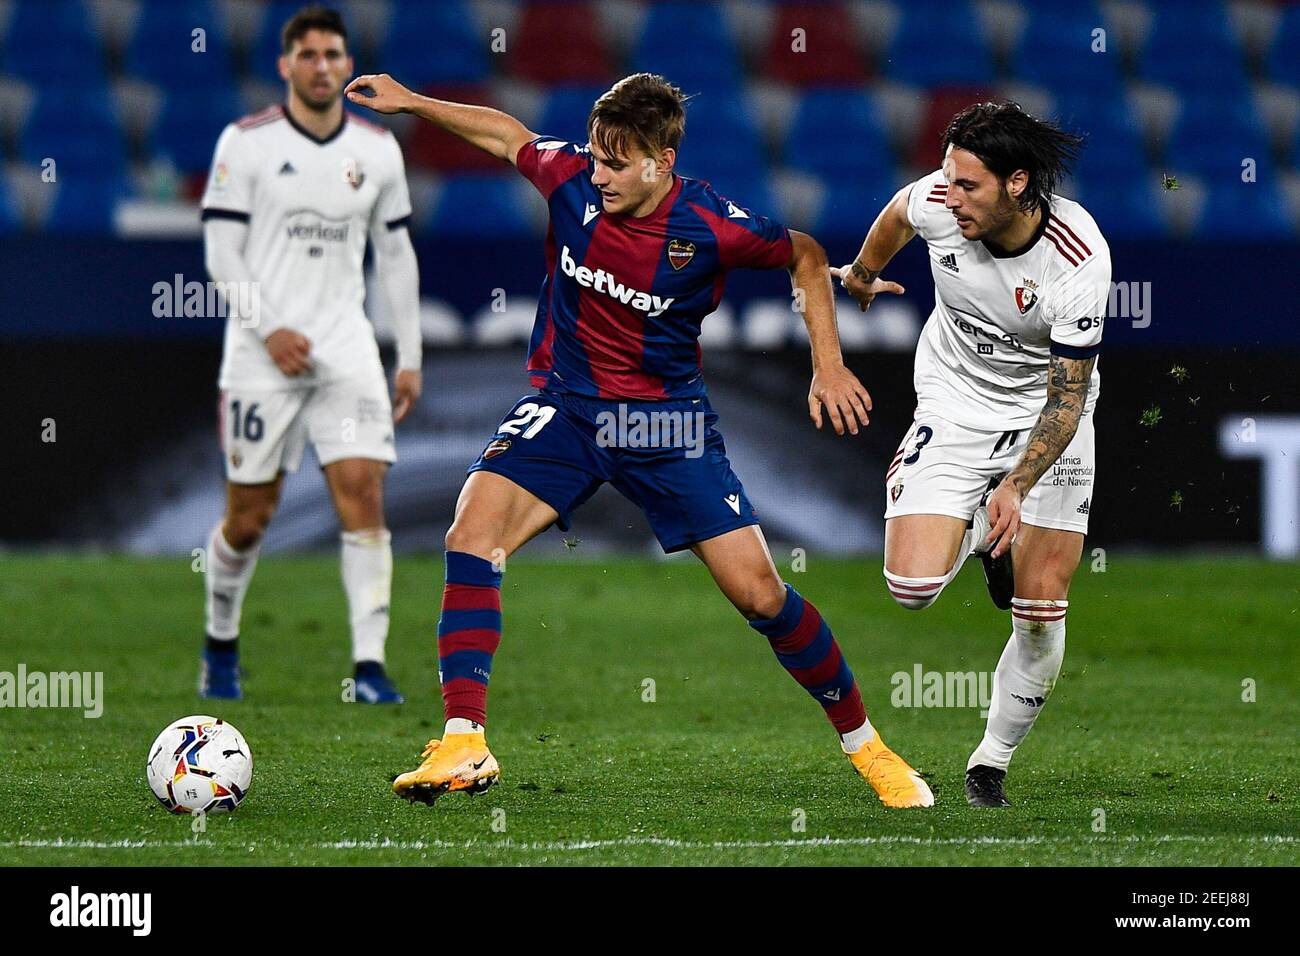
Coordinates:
(602, 281)
(1083, 508)
(949, 262)
(287, 168)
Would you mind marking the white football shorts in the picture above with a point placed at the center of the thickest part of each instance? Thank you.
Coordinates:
(264, 431)
(943, 468)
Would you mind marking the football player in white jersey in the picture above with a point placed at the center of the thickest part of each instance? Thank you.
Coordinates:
(999, 459)
(294, 192)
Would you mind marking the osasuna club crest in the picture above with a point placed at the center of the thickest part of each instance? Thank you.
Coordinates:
(680, 252)
(1026, 296)
(352, 174)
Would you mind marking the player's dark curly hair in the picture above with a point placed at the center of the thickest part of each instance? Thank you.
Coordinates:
(314, 17)
(1006, 138)
(643, 110)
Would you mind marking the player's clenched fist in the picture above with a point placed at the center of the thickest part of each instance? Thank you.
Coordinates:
(290, 350)
(380, 92)
(862, 283)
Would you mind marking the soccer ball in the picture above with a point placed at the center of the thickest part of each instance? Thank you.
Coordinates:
(200, 765)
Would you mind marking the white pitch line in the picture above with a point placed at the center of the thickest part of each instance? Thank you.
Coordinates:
(569, 846)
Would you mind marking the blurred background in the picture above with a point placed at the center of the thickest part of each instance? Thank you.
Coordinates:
(810, 112)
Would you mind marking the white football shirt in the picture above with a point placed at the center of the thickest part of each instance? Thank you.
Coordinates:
(983, 355)
(309, 204)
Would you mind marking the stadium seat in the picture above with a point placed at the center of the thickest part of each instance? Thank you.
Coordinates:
(837, 135)
(85, 202)
(721, 137)
(565, 111)
(10, 216)
(1193, 48)
(433, 148)
(190, 122)
(76, 127)
(1244, 212)
(53, 42)
(485, 207)
(848, 210)
(559, 42)
(1284, 55)
(1214, 133)
(432, 43)
(690, 44)
(1055, 51)
(830, 57)
(161, 49)
(939, 43)
(749, 190)
(943, 105)
(1113, 147)
(1124, 207)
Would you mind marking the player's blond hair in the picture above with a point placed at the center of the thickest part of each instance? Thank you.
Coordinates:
(642, 110)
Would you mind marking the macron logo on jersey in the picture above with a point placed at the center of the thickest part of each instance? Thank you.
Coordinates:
(602, 281)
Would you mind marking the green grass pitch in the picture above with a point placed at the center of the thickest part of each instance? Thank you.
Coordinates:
(1147, 726)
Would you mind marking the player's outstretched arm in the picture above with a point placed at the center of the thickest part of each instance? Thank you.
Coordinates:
(1067, 390)
(889, 233)
(490, 130)
(834, 387)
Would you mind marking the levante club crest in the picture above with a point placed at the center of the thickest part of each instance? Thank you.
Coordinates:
(680, 252)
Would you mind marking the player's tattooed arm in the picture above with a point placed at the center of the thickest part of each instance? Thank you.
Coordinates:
(834, 388)
(1067, 390)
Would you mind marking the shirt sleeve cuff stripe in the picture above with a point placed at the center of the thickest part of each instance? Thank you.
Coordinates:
(214, 213)
(403, 223)
(1075, 351)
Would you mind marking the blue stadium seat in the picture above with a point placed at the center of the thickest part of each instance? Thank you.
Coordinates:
(565, 112)
(1124, 207)
(435, 43)
(849, 208)
(485, 207)
(836, 134)
(939, 43)
(1243, 212)
(189, 125)
(53, 42)
(749, 190)
(1284, 57)
(161, 50)
(721, 137)
(85, 202)
(1113, 147)
(1214, 133)
(691, 45)
(1055, 51)
(1193, 47)
(75, 126)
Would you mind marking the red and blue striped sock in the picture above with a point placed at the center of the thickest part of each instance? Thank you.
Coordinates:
(469, 632)
(805, 646)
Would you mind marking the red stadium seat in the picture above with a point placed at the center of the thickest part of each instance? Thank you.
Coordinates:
(436, 149)
(945, 103)
(831, 55)
(559, 42)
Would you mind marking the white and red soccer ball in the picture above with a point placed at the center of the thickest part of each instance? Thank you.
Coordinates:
(200, 764)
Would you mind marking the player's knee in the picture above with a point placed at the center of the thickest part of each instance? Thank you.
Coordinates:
(913, 593)
(760, 601)
(469, 538)
(244, 527)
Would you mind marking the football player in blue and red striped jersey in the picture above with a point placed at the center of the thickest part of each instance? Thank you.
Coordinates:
(637, 257)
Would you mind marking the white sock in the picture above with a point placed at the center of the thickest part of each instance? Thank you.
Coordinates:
(367, 563)
(1026, 674)
(225, 582)
(462, 725)
(916, 594)
(853, 741)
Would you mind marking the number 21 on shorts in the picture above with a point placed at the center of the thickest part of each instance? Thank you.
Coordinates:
(530, 417)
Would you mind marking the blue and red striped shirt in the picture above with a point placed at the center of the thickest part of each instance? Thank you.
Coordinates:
(620, 309)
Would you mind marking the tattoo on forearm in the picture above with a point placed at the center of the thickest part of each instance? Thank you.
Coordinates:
(862, 272)
(1067, 390)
